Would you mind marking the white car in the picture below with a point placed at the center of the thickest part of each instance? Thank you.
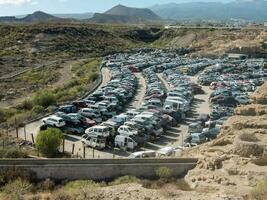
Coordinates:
(127, 131)
(102, 131)
(54, 121)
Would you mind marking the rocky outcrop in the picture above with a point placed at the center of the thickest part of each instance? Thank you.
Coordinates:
(234, 162)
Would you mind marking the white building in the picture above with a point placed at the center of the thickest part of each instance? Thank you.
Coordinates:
(265, 24)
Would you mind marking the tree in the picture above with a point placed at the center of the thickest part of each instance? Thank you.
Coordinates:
(48, 141)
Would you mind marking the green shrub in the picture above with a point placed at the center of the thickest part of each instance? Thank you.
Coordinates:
(124, 180)
(25, 105)
(73, 185)
(164, 173)
(12, 153)
(44, 98)
(260, 191)
(15, 189)
(38, 109)
(93, 76)
(48, 141)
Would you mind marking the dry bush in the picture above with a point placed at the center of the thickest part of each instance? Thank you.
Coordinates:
(124, 180)
(12, 174)
(247, 137)
(48, 184)
(61, 195)
(247, 149)
(261, 161)
(15, 189)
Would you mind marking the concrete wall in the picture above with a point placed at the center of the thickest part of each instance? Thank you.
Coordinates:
(98, 169)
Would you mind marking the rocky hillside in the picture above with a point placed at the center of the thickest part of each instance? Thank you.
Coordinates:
(211, 42)
(23, 46)
(232, 164)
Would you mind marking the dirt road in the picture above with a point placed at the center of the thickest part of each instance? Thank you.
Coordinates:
(175, 135)
(140, 94)
(33, 128)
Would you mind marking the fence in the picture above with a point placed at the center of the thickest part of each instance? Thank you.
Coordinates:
(99, 169)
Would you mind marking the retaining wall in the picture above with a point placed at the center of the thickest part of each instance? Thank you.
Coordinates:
(98, 169)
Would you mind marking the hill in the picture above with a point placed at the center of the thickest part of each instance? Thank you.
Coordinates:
(140, 13)
(35, 17)
(248, 10)
(115, 19)
(77, 16)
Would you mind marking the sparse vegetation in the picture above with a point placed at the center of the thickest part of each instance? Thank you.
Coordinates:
(12, 153)
(164, 173)
(44, 98)
(260, 191)
(124, 180)
(48, 141)
(15, 189)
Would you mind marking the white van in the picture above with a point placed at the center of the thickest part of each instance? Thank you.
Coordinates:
(174, 105)
(54, 121)
(98, 131)
(125, 142)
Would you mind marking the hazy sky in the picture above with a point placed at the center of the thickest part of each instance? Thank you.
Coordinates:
(18, 7)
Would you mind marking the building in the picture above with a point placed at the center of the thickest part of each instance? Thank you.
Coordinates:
(265, 24)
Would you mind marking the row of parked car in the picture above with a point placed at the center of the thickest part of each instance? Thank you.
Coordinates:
(232, 82)
(103, 104)
(161, 59)
(136, 127)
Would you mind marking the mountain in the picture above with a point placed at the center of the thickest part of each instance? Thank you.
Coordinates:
(38, 16)
(141, 13)
(115, 19)
(77, 16)
(239, 9)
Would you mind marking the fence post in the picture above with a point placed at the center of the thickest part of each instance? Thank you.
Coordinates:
(33, 142)
(63, 148)
(73, 146)
(25, 133)
(17, 132)
(93, 152)
(84, 151)
(7, 129)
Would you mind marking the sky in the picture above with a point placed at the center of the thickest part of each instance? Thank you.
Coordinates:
(20, 7)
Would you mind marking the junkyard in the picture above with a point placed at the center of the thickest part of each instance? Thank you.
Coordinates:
(154, 103)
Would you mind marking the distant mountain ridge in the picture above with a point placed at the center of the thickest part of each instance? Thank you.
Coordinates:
(114, 19)
(37, 16)
(239, 9)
